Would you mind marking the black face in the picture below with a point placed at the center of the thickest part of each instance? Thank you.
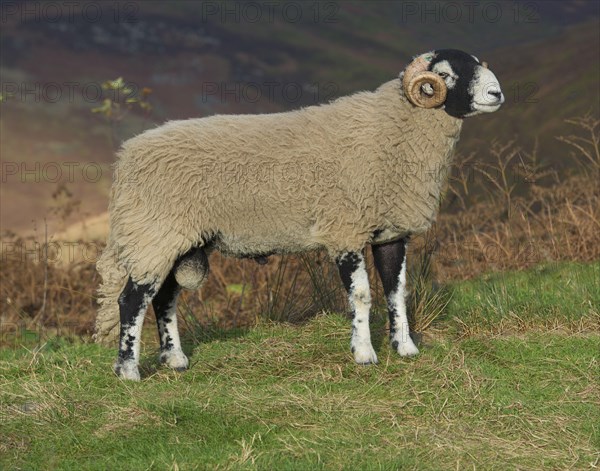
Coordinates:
(472, 88)
(458, 101)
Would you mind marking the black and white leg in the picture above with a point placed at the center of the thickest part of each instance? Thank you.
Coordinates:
(133, 302)
(165, 308)
(390, 261)
(356, 281)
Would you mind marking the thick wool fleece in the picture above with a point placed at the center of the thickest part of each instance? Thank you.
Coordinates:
(328, 176)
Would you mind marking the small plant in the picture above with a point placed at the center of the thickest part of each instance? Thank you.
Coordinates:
(588, 147)
(120, 99)
(123, 100)
(5, 96)
(64, 204)
(460, 182)
(325, 283)
(283, 294)
(498, 175)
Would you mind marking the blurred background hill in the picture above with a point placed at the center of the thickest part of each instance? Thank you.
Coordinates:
(202, 58)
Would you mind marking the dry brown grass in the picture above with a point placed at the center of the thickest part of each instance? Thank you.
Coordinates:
(522, 214)
(69, 294)
(509, 213)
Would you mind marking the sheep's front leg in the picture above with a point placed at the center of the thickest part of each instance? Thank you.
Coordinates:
(165, 308)
(354, 276)
(133, 303)
(390, 261)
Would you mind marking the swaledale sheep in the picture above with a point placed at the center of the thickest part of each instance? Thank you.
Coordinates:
(365, 169)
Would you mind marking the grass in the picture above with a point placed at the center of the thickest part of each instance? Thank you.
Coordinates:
(560, 297)
(289, 397)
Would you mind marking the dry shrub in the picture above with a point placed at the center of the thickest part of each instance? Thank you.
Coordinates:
(288, 288)
(44, 298)
(520, 215)
(508, 213)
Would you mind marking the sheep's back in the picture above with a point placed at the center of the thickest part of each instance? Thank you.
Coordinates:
(326, 176)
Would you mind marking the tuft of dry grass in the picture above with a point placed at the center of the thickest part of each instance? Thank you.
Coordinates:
(427, 300)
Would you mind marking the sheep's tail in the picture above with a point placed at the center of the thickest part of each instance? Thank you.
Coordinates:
(114, 278)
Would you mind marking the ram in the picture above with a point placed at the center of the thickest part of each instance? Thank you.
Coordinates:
(364, 169)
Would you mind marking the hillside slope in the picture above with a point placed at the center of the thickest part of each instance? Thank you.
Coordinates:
(178, 53)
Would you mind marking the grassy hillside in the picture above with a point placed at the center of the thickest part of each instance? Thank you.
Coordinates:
(509, 379)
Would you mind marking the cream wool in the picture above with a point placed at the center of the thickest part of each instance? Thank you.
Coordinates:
(325, 176)
(274, 183)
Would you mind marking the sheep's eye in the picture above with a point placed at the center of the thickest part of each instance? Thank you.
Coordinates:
(444, 75)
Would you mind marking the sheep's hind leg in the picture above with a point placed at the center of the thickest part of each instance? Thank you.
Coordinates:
(390, 261)
(133, 303)
(165, 308)
(356, 281)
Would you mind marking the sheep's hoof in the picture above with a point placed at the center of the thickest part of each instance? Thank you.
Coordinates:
(127, 370)
(175, 359)
(405, 348)
(364, 354)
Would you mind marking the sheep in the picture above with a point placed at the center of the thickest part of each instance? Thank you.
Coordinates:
(364, 169)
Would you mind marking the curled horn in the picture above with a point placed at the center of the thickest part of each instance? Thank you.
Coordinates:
(416, 76)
